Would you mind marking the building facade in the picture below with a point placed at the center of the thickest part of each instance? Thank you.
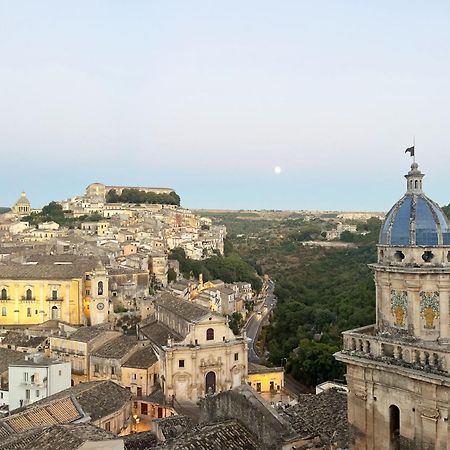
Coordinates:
(197, 351)
(75, 291)
(35, 378)
(398, 370)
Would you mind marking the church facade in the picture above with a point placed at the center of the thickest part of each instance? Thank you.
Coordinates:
(398, 370)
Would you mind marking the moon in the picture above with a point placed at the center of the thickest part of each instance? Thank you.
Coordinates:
(277, 170)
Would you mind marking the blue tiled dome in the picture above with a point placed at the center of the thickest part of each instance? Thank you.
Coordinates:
(415, 220)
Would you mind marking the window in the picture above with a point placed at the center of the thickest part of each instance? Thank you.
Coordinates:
(96, 368)
(100, 288)
(29, 294)
(181, 363)
(133, 377)
(4, 294)
(54, 294)
(108, 426)
(113, 370)
(394, 425)
(38, 394)
(236, 356)
(88, 292)
(4, 311)
(59, 373)
(27, 394)
(209, 334)
(28, 312)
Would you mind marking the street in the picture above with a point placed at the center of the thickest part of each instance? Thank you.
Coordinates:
(254, 324)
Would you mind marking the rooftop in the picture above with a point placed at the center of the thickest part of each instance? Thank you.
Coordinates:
(87, 334)
(18, 339)
(116, 348)
(57, 437)
(97, 398)
(258, 368)
(186, 310)
(158, 333)
(227, 434)
(8, 357)
(323, 415)
(142, 359)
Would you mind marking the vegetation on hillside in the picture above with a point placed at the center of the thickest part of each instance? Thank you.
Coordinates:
(230, 268)
(321, 291)
(4, 210)
(137, 196)
(53, 212)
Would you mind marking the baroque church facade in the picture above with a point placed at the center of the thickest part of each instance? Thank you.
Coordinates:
(398, 370)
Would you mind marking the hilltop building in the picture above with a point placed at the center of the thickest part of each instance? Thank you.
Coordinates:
(398, 370)
(22, 206)
(96, 192)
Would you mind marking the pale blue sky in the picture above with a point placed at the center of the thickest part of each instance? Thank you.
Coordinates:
(208, 96)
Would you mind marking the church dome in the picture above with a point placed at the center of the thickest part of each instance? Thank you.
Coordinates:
(23, 200)
(415, 220)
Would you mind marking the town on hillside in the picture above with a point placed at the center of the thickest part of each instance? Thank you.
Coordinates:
(121, 310)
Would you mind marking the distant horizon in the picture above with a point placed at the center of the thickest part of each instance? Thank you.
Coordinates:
(237, 105)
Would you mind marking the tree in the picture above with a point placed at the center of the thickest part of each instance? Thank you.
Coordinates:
(236, 322)
(171, 275)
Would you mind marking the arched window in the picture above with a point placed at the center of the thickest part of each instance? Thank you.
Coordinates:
(100, 288)
(29, 294)
(54, 294)
(209, 334)
(394, 425)
(4, 294)
(417, 184)
(4, 311)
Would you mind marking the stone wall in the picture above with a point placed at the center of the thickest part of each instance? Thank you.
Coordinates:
(257, 416)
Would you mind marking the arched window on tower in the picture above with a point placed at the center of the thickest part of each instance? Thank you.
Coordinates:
(100, 288)
(394, 426)
(4, 294)
(416, 184)
(210, 334)
(29, 294)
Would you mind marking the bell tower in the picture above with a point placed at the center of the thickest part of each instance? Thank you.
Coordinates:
(398, 370)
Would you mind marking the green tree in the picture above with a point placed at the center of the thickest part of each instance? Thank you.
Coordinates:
(171, 275)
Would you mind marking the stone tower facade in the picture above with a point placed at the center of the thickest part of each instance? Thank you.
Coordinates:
(398, 370)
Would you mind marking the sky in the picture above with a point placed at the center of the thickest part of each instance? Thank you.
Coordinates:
(208, 97)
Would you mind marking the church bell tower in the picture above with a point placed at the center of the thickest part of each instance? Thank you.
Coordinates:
(398, 370)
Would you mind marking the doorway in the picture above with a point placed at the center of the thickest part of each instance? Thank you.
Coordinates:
(55, 315)
(210, 383)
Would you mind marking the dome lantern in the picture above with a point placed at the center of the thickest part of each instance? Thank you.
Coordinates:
(414, 179)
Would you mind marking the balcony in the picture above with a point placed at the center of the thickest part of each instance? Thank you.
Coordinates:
(55, 299)
(25, 299)
(413, 353)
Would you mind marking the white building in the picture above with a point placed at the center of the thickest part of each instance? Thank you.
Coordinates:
(36, 378)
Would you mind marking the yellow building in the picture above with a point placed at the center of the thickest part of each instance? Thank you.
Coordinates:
(46, 289)
(265, 379)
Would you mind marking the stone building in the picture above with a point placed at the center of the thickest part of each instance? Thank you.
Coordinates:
(398, 370)
(78, 347)
(198, 353)
(22, 206)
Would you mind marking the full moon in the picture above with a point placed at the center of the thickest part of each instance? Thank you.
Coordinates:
(277, 170)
